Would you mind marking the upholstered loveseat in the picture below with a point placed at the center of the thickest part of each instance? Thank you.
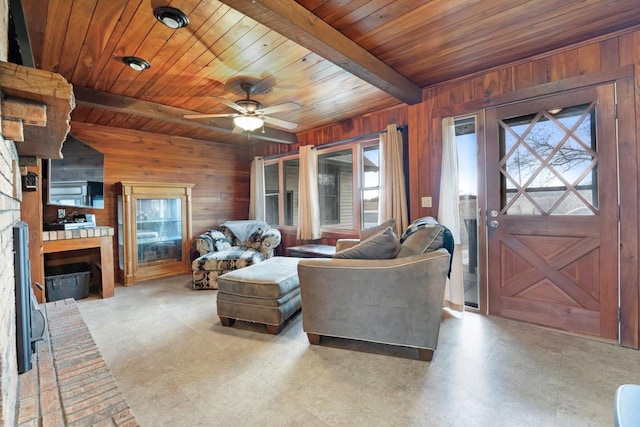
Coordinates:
(394, 299)
(234, 245)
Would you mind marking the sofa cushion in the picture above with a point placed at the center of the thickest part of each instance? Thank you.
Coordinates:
(383, 245)
(428, 238)
(365, 233)
(425, 235)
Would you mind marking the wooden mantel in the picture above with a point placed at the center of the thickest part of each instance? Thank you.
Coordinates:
(37, 89)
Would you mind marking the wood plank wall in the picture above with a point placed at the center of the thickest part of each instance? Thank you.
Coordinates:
(220, 172)
(614, 58)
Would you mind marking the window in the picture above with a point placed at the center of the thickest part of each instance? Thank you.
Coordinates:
(272, 193)
(291, 171)
(329, 197)
(335, 189)
(348, 187)
(370, 185)
(550, 163)
(467, 144)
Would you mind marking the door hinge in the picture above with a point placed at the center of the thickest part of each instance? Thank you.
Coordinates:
(618, 213)
(615, 111)
(619, 314)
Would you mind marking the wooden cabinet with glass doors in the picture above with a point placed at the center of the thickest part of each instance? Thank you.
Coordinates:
(154, 230)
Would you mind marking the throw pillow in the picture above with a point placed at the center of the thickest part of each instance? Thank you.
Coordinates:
(371, 231)
(383, 245)
(220, 241)
(427, 238)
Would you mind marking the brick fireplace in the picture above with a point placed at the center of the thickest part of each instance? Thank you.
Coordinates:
(9, 215)
(70, 383)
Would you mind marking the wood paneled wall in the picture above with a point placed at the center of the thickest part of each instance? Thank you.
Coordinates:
(220, 172)
(608, 59)
(613, 59)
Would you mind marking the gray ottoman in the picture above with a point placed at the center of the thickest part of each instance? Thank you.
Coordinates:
(267, 292)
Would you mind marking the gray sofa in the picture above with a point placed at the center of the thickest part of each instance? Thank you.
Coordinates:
(234, 245)
(395, 301)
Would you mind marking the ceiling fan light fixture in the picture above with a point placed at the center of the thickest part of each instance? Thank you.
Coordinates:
(171, 17)
(136, 63)
(248, 123)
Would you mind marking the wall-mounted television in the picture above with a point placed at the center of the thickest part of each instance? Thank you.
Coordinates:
(77, 180)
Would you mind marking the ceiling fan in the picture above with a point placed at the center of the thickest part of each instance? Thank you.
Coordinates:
(251, 115)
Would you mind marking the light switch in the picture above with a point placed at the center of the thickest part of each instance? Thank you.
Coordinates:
(426, 202)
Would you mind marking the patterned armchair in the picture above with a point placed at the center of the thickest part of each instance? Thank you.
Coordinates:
(236, 244)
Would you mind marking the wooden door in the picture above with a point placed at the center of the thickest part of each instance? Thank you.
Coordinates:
(553, 211)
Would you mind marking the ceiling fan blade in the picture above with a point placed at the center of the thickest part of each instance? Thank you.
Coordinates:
(287, 106)
(206, 116)
(280, 123)
(230, 104)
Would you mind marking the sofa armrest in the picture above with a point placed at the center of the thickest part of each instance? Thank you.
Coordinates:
(271, 238)
(393, 301)
(343, 244)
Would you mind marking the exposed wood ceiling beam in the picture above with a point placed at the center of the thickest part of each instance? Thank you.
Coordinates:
(293, 21)
(46, 88)
(123, 104)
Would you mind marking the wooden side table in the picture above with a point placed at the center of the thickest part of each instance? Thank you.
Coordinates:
(84, 238)
(311, 251)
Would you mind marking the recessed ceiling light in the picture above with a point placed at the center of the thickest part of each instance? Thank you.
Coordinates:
(171, 17)
(136, 63)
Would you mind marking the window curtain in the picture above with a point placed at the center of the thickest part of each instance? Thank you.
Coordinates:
(257, 191)
(308, 202)
(393, 196)
(449, 214)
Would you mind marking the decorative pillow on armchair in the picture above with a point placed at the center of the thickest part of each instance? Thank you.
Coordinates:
(220, 241)
(383, 245)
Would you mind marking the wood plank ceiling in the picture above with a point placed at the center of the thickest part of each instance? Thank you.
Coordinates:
(382, 51)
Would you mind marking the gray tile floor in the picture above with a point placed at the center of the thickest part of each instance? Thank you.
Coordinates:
(179, 367)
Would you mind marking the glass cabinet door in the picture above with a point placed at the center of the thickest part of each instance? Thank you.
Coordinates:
(120, 234)
(154, 230)
(158, 230)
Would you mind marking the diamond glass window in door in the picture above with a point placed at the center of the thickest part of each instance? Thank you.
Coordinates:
(549, 163)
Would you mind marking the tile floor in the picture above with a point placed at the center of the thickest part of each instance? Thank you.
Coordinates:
(178, 366)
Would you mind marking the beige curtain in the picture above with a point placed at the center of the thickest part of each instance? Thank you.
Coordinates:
(257, 191)
(449, 214)
(393, 197)
(308, 195)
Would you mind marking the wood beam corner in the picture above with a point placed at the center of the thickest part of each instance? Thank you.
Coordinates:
(12, 129)
(29, 112)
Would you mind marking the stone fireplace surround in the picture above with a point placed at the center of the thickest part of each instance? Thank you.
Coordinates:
(70, 384)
